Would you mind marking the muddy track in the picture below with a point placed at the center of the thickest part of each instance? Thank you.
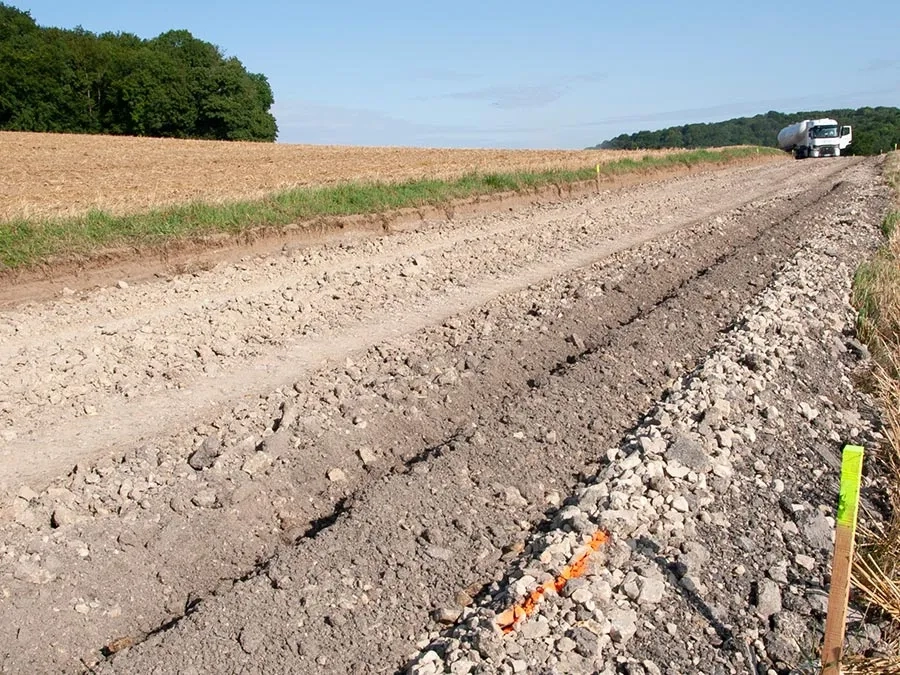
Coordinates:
(521, 348)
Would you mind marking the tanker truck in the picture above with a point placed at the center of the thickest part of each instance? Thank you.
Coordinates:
(815, 138)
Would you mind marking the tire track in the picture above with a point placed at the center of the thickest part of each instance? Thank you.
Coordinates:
(329, 630)
(140, 413)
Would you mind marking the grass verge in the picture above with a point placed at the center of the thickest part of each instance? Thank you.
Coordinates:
(876, 292)
(26, 243)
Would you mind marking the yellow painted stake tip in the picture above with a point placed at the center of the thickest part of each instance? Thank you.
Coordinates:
(845, 533)
(851, 475)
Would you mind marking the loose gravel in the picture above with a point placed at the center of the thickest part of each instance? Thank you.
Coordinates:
(395, 455)
(720, 501)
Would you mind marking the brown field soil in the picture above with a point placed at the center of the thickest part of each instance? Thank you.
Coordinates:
(51, 175)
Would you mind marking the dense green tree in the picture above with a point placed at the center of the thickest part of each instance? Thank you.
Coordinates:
(172, 85)
(875, 130)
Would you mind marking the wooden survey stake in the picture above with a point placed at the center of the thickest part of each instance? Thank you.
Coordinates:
(848, 506)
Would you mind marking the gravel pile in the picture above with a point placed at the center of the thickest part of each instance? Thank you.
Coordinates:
(719, 504)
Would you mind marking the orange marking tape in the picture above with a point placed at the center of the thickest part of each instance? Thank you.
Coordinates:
(510, 619)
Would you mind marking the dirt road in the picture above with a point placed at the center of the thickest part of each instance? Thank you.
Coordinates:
(290, 463)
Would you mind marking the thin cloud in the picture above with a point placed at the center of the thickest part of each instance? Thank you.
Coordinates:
(663, 116)
(443, 75)
(686, 115)
(589, 77)
(879, 65)
(513, 98)
(301, 121)
(519, 97)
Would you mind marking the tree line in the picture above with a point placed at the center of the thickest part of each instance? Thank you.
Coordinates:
(173, 85)
(875, 130)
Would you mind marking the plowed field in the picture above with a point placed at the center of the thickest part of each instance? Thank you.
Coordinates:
(46, 175)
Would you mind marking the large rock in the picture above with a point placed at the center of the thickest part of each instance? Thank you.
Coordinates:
(587, 643)
(256, 463)
(205, 456)
(783, 644)
(32, 573)
(693, 557)
(652, 590)
(689, 452)
(768, 598)
(205, 499)
(535, 628)
(62, 516)
(623, 624)
(817, 530)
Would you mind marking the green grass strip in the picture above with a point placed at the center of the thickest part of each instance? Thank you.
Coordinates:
(25, 243)
(876, 294)
(876, 285)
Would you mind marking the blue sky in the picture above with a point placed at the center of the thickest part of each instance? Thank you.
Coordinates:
(526, 73)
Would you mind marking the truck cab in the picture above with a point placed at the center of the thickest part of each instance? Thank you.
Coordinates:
(827, 138)
(846, 137)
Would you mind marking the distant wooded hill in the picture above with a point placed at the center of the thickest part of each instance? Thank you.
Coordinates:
(116, 83)
(875, 130)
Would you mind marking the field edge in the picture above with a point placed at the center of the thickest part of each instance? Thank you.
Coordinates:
(92, 250)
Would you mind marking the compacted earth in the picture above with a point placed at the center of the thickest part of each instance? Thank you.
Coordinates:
(354, 457)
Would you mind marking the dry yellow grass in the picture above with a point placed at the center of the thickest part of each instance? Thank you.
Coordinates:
(48, 175)
(877, 568)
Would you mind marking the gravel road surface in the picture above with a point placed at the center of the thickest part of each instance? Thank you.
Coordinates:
(348, 457)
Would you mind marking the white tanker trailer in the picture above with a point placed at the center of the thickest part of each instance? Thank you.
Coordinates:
(815, 138)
